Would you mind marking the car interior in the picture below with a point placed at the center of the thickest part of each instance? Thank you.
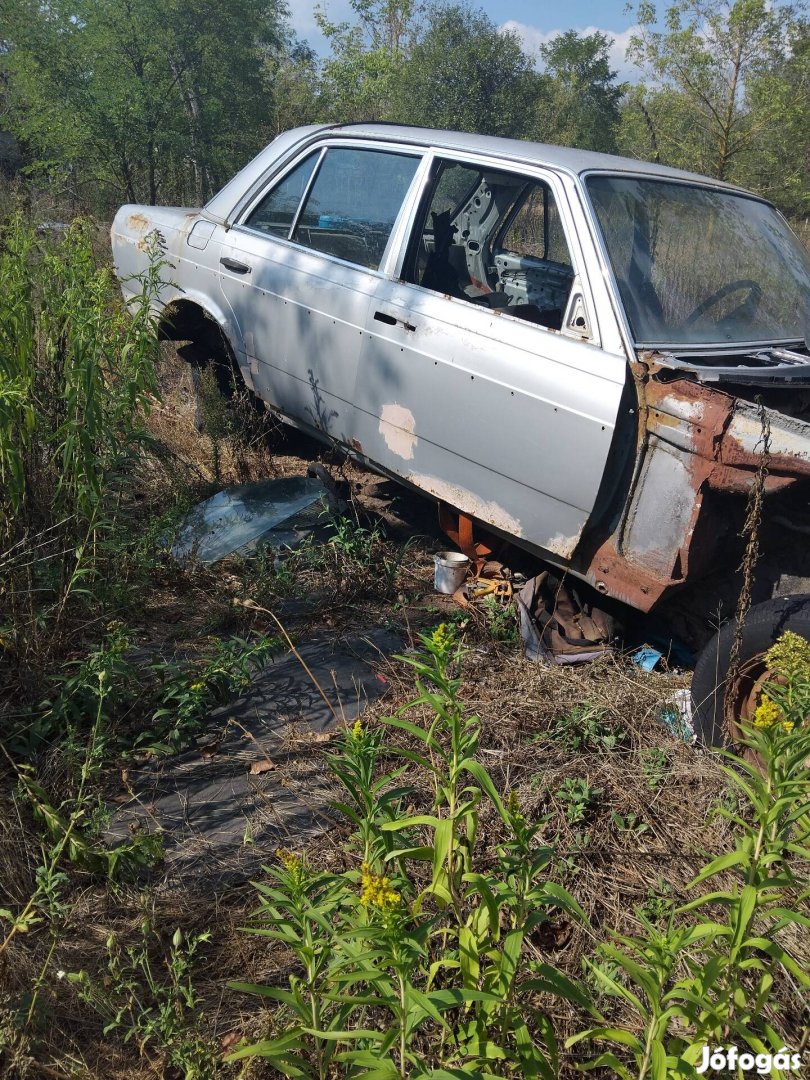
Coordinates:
(493, 239)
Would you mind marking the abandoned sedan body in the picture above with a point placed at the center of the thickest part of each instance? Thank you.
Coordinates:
(566, 347)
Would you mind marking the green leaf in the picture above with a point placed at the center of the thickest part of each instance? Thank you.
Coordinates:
(562, 898)
(425, 1007)
(747, 905)
(608, 1061)
(272, 992)
(442, 839)
(548, 980)
(483, 779)
(468, 956)
(270, 1048)
(716, 866)
(412, 729)
(348, 1035)
(616, 1035)
(411, 822)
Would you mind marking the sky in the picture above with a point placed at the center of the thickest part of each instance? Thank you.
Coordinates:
(535, 23)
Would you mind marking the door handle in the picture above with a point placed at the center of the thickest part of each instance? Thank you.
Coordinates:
(392, 320)
(237, 267)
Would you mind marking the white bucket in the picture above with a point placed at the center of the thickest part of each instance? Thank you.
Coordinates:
(451, 570)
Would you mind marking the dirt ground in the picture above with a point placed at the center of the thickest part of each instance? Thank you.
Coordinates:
(647, 825)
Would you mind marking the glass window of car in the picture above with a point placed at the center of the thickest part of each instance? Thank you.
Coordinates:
(275, 214)
(351, 207)
(495, 239)
(699, 266)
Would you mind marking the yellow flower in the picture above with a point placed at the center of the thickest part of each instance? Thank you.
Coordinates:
(513, 805)
(357, 730)
(767, 714)
(290, 861)
(788, 725)
(790, 657)
(442, 639)
(376, 890)
(197, 686)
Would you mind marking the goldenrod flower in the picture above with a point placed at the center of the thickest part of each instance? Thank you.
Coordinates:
(290, 861)
(197, 686)
(790, 657)
(513, 805)
(357, 730)
(767, 714)
(441, 636)
(376, 890)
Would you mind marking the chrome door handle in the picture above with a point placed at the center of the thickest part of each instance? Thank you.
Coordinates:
(237, 267)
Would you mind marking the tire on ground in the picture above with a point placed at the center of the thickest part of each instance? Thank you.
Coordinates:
(764, 624)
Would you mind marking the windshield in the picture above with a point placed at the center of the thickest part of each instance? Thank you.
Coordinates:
(702, 267)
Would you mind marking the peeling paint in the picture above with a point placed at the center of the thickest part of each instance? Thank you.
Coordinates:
(563, 545)
(397, 427)
(790, 438)
(680, 407)
(468, 502)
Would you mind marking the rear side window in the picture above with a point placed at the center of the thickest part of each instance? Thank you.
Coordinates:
(352, 205)
(276, 212)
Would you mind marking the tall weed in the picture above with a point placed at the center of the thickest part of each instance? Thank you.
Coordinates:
(77, 371)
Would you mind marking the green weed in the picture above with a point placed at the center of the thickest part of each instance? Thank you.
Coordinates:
(584, 728)
(655, 766)
(707, 978)
(154, 1003)
(77, 375)
(577, 797)
(629, 823)
(410, 964)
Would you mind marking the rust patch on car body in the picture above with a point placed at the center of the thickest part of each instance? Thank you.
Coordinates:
(694, 442)
(138, 223)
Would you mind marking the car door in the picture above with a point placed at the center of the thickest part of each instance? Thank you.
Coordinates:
(298, 272)
(481, 379)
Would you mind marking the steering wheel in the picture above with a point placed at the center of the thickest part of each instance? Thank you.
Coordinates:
(751, 302)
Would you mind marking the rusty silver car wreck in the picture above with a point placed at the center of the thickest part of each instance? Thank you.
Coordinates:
(592, 357)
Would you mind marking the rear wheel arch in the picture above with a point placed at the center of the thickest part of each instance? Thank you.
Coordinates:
(202, 341)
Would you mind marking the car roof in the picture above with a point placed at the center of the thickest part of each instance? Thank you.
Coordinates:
(566, 158)
(516, 151)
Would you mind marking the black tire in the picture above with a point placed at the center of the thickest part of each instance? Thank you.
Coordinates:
(764, 624)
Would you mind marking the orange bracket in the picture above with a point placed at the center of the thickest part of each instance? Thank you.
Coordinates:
(459, 528)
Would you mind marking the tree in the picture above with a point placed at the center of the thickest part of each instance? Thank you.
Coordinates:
(294, 72)
(701, 67)
(156, 99)
(780, 166)
(578, 96)
(465, 73)
(361, 76)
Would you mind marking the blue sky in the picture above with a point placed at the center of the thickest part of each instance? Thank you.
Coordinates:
(534, 22)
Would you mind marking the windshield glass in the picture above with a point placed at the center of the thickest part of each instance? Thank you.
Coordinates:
(702, 267)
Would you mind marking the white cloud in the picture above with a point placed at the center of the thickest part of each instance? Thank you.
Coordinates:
(532, 39)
